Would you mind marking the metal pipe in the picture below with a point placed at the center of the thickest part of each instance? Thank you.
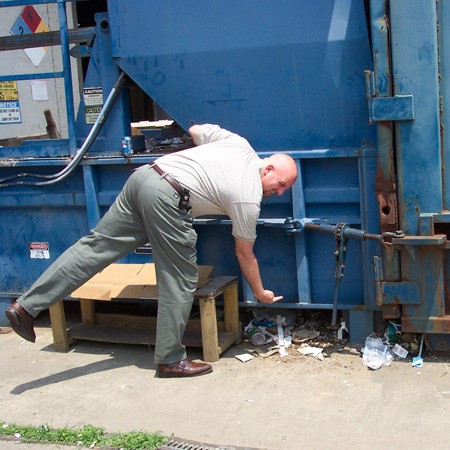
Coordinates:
(95, 130)
(68, 86)
(47, 39)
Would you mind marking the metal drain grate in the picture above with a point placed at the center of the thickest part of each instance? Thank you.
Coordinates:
(182, 444)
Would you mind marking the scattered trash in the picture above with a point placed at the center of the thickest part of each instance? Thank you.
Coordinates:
(393, 333)
(265, 354)
(266, 330)
(245, 357)
(414, 346)
(175, 140)
(304, 334)
(417, 361)
(399, 351)
(376, 353)
(281, 341)
(317, 352)
(271, 336)
(342, 332)
(257, 337)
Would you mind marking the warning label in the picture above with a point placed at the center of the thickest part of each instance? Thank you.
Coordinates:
(10, 112)
(8, 91)
(39, 250)
(93, 96)
(92, 113)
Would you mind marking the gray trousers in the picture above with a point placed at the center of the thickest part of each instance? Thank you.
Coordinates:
(146, 210)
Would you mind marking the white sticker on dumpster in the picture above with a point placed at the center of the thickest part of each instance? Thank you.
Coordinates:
(92, 114)
(93, 96)
(39, 250)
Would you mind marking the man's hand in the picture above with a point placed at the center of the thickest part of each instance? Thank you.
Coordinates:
(269, 297)
(250, 269)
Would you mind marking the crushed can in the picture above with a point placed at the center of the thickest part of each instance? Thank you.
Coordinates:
(127, 147)
(257, 337)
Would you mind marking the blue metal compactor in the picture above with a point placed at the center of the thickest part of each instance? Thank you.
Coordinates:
(355, 91)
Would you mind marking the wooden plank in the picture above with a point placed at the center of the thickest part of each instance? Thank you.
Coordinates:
(17, 141)
(214, 288)
(130, 322)
(59, 327)
(102, 333)
(142, 322)
(231, 311)
(115, 335)
(210, 337)
(87, 311)
(226, 340)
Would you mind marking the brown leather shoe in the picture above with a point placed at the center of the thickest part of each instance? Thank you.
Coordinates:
(21, 322)
(183, 368)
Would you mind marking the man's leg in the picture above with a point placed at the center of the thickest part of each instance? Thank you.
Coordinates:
(118, 233)
(173, 242)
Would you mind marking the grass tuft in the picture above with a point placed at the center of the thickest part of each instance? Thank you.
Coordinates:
(87, 436)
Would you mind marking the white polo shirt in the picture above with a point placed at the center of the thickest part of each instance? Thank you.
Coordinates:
(223, 175)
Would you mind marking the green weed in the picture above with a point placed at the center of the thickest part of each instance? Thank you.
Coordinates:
(87, 436)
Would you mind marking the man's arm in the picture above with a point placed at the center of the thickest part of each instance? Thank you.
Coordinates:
(206, 133)
(194, 131)
(249, 267)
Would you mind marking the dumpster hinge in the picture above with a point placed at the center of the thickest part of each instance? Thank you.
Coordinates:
(381, 109)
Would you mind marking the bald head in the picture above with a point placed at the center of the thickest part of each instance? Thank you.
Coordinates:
(279, 173)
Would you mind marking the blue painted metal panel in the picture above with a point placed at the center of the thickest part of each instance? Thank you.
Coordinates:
(402, 292)
(286, 76)
(41, 214)
(443, 10)
(415, 69)
(418, 48)
(103, 73)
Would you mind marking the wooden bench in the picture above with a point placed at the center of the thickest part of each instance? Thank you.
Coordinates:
(213, 335)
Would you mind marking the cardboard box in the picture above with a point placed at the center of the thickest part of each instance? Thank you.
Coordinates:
(128, 281)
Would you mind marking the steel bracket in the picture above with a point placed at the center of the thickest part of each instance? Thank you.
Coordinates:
(435, 240)
(382, 109)
(393, 293)
(399, 293)
(400, 107)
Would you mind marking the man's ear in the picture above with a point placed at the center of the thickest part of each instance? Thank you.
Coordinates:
(268, 169)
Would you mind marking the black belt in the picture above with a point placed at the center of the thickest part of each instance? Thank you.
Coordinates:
(182, 192)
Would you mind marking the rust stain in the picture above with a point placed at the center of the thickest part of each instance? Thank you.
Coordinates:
(391, 311)
(386, 191)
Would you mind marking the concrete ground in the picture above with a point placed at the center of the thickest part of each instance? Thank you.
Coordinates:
(295, 402)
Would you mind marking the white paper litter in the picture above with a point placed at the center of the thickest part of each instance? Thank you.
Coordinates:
(340, 333)
(314, 351)
(245, 357)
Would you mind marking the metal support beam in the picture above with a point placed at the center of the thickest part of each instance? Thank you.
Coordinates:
(50, 38)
